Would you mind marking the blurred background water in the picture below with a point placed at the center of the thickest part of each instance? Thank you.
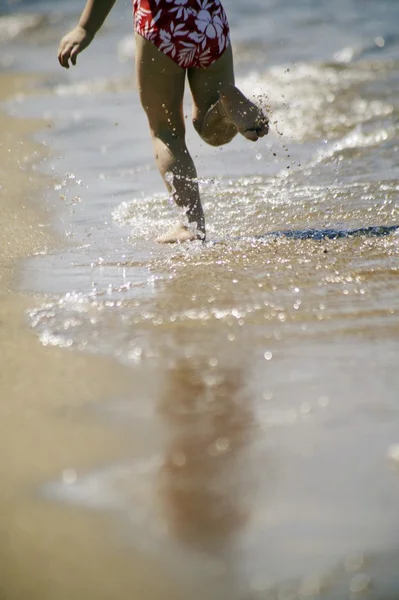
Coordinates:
(266, 366)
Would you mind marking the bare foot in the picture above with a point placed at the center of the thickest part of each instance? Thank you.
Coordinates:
(246, 116)
(178, 235)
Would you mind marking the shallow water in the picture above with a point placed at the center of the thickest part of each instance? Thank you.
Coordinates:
(266, 366)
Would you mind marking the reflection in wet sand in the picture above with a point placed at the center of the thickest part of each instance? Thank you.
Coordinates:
(201, 488)
(204, 492)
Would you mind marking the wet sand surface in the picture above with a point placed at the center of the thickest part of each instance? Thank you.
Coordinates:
(45, 551)
(214, 421)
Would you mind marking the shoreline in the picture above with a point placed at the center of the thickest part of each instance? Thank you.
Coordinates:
(42, 389)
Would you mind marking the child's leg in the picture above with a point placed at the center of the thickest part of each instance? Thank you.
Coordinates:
(220, 109)
(161, 86)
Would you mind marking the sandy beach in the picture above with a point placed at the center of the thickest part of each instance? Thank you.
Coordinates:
(41, 389)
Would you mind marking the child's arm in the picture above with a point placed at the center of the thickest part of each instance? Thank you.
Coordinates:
(93, 16)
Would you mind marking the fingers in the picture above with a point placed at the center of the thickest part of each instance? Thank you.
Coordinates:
(64, 53)
(63, 62)
(74, 55)
(67, 52)
(59, 55)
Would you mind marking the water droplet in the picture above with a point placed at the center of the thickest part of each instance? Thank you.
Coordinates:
(69, 476)
(360, 583)
(393, 453)
(212, 380)
(353, 562)
(258, 156)
(268, 355)
(305, 408)
(222, 444)
(324, 401)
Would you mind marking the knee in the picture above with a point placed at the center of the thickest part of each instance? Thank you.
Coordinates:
(169, 147)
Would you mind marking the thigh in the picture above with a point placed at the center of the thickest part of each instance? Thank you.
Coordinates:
(205, 84)
(161, 86)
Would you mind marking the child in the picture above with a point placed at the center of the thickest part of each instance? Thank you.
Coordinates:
(174, 38)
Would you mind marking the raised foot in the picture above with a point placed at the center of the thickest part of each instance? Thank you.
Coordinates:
(250, 120)
(178, 235)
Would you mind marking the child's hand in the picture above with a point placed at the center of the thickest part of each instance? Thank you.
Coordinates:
(72, 44)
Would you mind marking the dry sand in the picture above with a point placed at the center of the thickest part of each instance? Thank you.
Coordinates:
(47, 551)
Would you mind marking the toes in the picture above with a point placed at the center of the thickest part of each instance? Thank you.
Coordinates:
(251, 134)
(263, 126)
(262, 131)
(179, 235)
(266, 127)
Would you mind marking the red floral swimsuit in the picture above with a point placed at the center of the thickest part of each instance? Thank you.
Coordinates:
(194, 33)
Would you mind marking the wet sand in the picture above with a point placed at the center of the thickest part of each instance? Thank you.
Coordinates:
(46, 551)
